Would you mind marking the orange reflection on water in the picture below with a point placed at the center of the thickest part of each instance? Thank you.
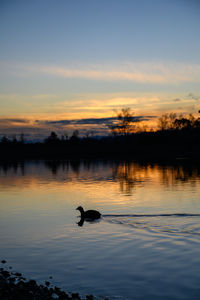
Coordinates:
(126, 175)
(92, 184)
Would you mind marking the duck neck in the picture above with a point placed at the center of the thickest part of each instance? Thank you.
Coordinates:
(81, 211)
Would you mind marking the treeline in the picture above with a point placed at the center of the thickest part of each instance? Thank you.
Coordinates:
(177, 137)
(173, 122)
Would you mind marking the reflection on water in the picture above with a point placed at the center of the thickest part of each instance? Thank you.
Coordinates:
(145, 246)
(128, 174)
(82, 221)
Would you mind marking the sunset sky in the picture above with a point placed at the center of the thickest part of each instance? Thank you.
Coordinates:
(66, 63)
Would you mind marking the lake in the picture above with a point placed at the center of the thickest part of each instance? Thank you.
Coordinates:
(145, 246)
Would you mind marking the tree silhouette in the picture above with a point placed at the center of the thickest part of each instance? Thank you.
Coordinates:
(4, 140)
(172, 121)
(52, 139)
(166, 121)
(123, 125)
(74, 138)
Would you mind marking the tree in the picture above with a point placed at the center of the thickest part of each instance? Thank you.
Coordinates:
(14, 139)
(52, 139)
(123, 124)
(75, 133)
(166, 121)
(4, 140)
(22, 138)
(182, 123)
(74, 138)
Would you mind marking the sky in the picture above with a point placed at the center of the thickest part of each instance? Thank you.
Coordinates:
(71, 64)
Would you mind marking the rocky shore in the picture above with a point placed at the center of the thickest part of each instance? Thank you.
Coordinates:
(13, 286)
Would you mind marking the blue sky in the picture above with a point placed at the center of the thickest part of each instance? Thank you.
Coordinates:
(62, 60)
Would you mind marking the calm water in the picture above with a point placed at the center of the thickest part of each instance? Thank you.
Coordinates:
(146, 246)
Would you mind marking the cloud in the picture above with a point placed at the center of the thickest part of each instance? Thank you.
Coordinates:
(89, 121)
(136, 72)
(96, 121)
(44, 96)
(194, 97)
(57, 122)
(139, 72)
(40, 129)
(12, 121)
(105, 75)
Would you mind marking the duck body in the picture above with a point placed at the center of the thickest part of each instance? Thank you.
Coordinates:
(89, 214)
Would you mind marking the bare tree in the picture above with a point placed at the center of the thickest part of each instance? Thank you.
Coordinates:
(166, 121)
(124, 123)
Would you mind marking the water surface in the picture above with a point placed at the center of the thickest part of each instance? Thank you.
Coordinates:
(146, 246)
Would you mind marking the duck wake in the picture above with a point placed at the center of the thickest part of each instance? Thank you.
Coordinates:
(176, 223)
(154, 215)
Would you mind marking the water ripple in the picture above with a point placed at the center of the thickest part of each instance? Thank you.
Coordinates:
(177, 223)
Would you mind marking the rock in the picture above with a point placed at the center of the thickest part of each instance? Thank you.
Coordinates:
(3, 261)
(14, 287)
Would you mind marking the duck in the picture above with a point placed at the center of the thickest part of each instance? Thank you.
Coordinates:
(89, 214)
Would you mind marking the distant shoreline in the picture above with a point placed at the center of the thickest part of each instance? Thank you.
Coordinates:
(162, 154)
(162, 145)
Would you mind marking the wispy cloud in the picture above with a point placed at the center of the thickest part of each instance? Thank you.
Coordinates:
(193, 96)
(158, 73)
(140, 72)
(13, 121)
(106, 75)
(89, 121)
(84, 106)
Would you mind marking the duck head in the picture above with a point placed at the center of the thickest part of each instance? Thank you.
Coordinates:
(80, 209)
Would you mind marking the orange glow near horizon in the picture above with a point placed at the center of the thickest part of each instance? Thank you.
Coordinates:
(36, 119)
(36, 124)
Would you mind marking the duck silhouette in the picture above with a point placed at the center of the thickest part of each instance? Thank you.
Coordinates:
(89, 214)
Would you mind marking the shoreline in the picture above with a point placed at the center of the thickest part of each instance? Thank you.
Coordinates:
(14, 286)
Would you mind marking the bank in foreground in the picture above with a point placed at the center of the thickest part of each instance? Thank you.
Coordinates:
(13, 286)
